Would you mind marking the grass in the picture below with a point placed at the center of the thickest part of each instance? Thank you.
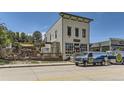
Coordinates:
(34, 62)
(2, 62)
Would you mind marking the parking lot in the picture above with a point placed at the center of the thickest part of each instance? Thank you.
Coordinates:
(63, 73)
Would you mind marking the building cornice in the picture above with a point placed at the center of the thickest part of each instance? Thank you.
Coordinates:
(75, 17)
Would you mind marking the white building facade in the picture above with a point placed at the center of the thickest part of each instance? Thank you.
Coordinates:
(72, 33)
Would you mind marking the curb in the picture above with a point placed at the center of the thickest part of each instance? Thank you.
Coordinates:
(22, 66)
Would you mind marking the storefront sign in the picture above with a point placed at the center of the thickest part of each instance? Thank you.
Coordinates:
(76, 40)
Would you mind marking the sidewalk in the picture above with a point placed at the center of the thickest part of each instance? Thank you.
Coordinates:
(36, 65)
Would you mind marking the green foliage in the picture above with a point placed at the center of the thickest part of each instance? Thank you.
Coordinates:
(37, 36)
(34, 62)
(2, 62)
(12, 36)
(4, 36)
(37, 39)
(29, 39)
(23, 37)
(17, 37)
(119, 48)
(16, 45)
(9, 37)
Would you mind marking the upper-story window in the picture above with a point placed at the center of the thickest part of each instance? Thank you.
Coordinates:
(69, 31)
(76, 32)
(45, 39)
(83, 33)
(56, 34)
(50, 36)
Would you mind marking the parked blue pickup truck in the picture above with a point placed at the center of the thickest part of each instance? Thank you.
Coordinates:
(94, 58)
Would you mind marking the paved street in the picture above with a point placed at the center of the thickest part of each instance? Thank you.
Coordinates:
(70, 72)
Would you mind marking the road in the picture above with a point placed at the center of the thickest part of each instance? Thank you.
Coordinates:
(63, 73)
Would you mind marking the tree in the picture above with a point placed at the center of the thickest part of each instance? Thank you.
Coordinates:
(4, 38)
(17, 36)
(12, 36)
(37, 36)
(37, 39)
(29, 38)
(23, 37)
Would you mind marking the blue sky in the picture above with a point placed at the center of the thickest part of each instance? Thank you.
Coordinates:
(104, 26)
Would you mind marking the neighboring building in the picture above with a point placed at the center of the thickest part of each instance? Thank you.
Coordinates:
(70, 34)
(111, 44)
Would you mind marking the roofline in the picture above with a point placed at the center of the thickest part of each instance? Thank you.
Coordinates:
(66, 14)
(75, 16)
(107, 40)
(116, 38)
(100, 42)
(53, 25)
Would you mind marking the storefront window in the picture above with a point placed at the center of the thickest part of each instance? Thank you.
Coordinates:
(69, 48)
(83, 47)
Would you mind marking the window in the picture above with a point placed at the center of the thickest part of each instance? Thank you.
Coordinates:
(69, 48)
(83, 33)
(69, 31)
(46, 39)
(76, 32)
(50, 36)
(56, 34)
(76, 48)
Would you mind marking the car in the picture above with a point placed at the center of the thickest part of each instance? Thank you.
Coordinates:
(94, 58)
(115, 57)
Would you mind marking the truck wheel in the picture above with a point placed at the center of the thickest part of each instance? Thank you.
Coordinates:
(85, 64)
(76, 64)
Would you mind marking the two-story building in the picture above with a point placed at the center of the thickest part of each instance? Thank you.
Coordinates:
(70, 34)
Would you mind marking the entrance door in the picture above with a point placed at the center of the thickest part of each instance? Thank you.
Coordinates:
(76, 47)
